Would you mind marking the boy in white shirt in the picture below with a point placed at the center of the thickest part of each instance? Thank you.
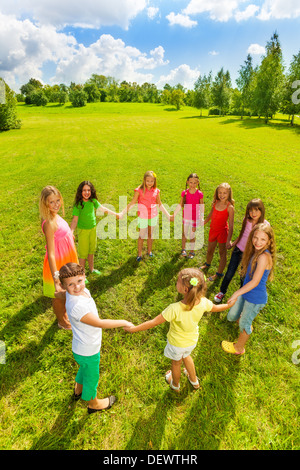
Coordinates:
(87, 336)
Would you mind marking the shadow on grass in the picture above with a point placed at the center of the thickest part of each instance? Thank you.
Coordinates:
(160, 279)
(149, 432)
(23, 362)
(213, 406)
(253, 123)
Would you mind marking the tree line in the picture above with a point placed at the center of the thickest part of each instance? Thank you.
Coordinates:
(261, 91)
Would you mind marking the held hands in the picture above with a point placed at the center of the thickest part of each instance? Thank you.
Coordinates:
(232, 300)
(130, 328)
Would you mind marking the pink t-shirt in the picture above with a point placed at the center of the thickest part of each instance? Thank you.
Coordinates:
(147, 207)
(191, 210)
(242, 243)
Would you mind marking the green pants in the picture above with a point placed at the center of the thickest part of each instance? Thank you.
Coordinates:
(88, 374)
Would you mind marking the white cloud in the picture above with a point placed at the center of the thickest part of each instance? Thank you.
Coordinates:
(32, 46)
(24, 47)
(279, 9)
(152, 12)
(213, 53)
(218, 10)
(110, 57)
(89, 13)
(181, 20)
(256, 49)
(182, 74)
(246, 14)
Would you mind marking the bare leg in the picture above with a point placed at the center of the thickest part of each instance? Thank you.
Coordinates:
(91, 262)
(59, 309)
(210, 253)
(190, 367)
(176, 372)
(150, 239)
(239, 346)
(223, 257)
(82, 262)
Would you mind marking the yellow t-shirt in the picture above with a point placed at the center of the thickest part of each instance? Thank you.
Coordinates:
(183, 330)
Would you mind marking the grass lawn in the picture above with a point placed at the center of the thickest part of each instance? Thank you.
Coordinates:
(248, 402)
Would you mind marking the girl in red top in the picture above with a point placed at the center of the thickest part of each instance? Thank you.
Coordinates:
(221, 227)
(148, 198)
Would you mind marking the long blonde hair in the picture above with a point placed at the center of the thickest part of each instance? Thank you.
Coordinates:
(148, 174)
(45, 212)
(251, 256)
(193, 279)
(230, 195)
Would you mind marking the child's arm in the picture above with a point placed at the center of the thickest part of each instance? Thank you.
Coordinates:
(162, 207)
(92, 320)
(208, 217)
(134, 200)
(230, 223)
(261, 266)
(108, 211)
(220, 308)
(74, 223)
(147, 324)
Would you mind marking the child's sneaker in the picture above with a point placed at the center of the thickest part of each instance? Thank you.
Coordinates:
(95, 271)
(218, 298)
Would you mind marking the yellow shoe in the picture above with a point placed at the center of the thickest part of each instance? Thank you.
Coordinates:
(229, 348)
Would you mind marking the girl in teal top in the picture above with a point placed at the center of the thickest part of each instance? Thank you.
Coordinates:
(84, 218)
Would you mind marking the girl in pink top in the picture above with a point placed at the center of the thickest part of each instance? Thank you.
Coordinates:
(255, 214)
(147, 196)
(221, 227)
(193, 208)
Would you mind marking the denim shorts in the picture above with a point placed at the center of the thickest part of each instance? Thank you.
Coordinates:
(245, 312)
(176, 353)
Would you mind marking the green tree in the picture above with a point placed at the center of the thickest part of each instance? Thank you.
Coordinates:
(245, 83)
(202, 95)
(221, 91)
(268, 90)
(177, 98)
(8, 108)
(92, 92)
(78, 97)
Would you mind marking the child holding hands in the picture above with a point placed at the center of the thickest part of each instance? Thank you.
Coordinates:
(221, 227)
(87, 336)
(183, 317)
(84, 218)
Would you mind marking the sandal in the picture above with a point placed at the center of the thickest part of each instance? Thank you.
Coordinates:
(168, 379)
(183, 253)
(196, 384)
(191, 255)
(205, 266)
(229, 348)
(215, 276)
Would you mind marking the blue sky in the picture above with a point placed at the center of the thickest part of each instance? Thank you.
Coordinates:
(156, 41)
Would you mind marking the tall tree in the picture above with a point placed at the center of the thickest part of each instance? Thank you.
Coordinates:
(245, 84)
(269, 80)
(202, 95)
(221, 91)
(8, 108)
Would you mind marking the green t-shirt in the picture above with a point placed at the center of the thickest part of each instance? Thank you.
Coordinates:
(86, 214)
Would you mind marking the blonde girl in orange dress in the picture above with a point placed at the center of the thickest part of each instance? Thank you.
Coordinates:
(60, 249)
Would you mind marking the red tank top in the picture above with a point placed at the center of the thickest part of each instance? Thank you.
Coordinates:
(219, 219)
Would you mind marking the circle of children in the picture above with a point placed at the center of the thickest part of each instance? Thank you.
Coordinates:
(65, 283)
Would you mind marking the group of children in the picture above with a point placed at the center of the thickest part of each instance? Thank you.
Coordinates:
(65, 281)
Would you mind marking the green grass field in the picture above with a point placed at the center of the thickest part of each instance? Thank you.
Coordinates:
(249, 402)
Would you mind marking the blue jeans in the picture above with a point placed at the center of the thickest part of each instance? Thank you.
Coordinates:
(245, 312)
(236, 258)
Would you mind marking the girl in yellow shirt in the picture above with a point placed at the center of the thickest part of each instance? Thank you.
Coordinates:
(184, 317)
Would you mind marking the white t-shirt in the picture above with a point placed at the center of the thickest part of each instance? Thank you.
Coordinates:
(86, 338)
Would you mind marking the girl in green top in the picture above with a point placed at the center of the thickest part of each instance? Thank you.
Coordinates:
(84, 218)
